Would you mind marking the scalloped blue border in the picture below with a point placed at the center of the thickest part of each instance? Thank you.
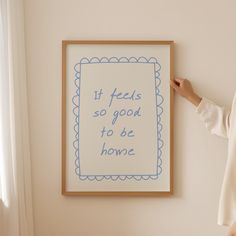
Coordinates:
(76, 112)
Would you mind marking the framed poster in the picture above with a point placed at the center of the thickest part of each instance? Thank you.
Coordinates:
(117, 118)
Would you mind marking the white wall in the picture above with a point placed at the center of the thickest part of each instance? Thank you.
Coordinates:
(205, 36)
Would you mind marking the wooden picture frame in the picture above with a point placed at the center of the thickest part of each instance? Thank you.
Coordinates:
(117, 92)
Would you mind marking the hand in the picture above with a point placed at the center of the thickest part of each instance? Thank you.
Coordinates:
(184, 88)
(232, 229)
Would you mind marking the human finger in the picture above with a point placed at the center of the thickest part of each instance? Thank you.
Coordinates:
(174, 85)
(179, 80)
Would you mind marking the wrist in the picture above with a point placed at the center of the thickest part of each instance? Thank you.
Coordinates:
(194, 99)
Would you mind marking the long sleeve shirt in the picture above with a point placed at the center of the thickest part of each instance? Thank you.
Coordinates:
(222, 122)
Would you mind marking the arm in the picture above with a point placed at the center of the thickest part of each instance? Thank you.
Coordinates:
(216, 118)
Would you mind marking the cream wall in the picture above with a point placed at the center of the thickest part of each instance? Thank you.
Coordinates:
(205, 36)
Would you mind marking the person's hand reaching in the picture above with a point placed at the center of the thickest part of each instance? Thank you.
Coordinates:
(184, 88)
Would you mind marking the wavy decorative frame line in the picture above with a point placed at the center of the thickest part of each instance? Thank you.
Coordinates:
(159, 109)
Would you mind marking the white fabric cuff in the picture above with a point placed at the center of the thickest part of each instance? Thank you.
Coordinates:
(203, 105)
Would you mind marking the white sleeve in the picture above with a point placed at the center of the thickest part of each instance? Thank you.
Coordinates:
(215, 117)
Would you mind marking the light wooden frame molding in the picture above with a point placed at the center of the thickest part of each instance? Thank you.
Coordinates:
(65, 43)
